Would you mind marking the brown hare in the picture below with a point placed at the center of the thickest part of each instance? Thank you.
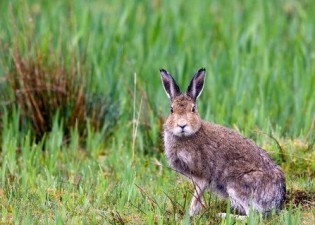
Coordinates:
(216, 157)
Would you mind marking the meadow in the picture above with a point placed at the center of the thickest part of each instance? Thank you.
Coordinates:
(82, 104)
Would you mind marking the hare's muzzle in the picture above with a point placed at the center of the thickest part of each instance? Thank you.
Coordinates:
(182, 126)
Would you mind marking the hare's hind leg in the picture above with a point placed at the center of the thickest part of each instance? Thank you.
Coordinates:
(237, 206)
(238, 202)
(197, 199)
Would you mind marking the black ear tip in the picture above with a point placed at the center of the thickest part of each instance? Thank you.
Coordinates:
(163, 70)
(202, 70)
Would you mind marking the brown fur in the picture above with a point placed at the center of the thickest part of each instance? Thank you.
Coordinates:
(216, 157)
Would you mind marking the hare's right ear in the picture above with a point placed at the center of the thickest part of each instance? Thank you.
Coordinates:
(171, 88)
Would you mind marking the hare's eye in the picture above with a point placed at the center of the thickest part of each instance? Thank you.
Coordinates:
(193, 109)
(172, 110)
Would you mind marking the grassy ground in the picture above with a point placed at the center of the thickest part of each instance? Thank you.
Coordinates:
(259, 57)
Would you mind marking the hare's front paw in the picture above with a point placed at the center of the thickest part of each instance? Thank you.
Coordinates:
(197, 200)
(195, 206)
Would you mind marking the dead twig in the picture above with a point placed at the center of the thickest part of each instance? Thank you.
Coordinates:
(281, 151)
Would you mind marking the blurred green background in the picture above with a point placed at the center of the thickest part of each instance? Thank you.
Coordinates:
(82, 105)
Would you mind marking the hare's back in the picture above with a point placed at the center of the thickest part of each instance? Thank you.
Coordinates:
(232, 146)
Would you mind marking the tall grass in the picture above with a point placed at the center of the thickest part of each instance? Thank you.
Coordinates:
(259, 57)
(45, 82)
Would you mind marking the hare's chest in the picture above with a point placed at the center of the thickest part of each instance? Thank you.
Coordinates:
(181, 160)
(179, 154)
(186, 157)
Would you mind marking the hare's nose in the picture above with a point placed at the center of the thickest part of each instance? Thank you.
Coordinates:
(182, 126)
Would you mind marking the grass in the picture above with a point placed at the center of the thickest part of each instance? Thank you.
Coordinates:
(259, 57)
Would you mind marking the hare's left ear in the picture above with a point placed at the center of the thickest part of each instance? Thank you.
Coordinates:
(196, 84)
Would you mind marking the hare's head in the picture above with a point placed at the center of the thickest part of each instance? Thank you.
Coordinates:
(184, 119)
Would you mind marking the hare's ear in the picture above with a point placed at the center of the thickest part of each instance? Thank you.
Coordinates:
(171, 88)
(196, 84)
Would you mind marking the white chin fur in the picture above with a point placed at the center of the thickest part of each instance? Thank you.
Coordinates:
(178, 132)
